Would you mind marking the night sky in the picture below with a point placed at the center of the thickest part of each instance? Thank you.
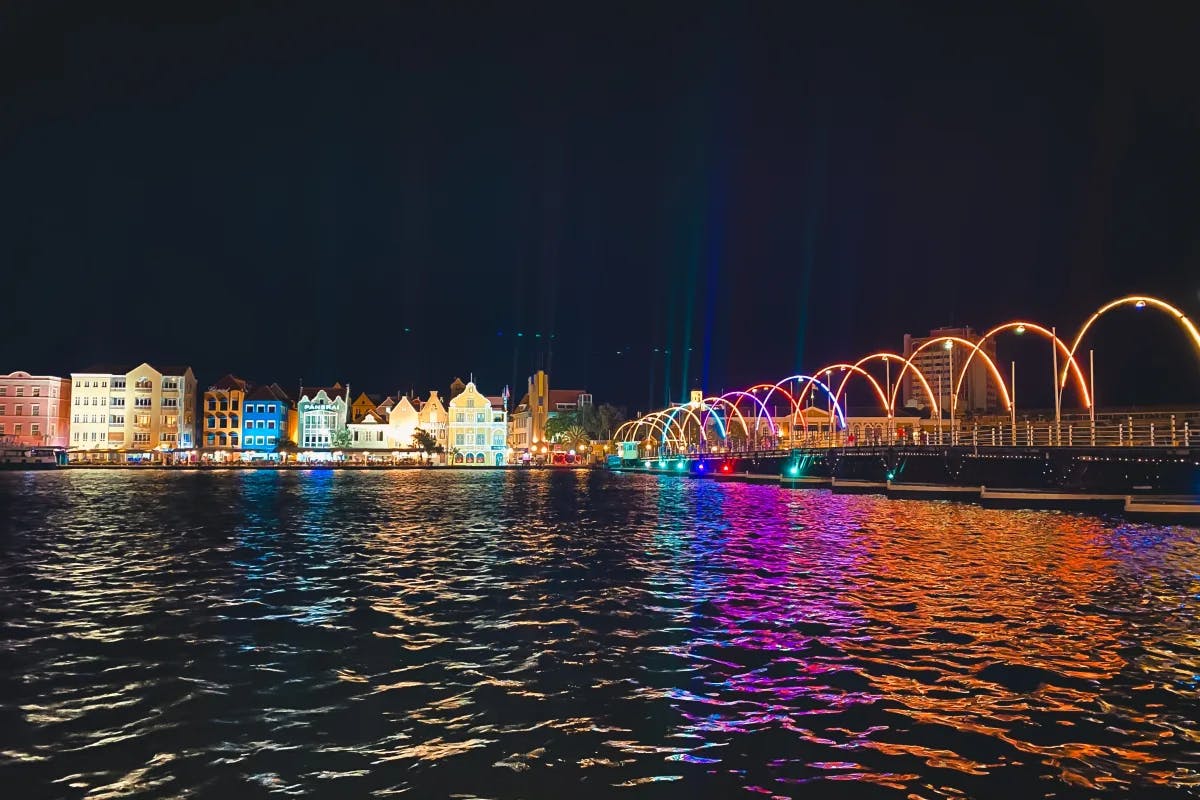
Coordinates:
(387, 194)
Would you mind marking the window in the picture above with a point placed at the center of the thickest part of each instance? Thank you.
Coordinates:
(37, 411)
(76, 401)
(118, 383)
(144, 383)
(458, 438)
(20, 391)
(37, 391)
(3, 410)
(142, 402)
(103, 384)
(479, 417)
(170, 402)
(17, 429)
(460, 417)
(270, 408)
(210, 421)
(212, 404)
(139, 438)
(102, 436)
(116, 419)
(103, 401)
(270, 424)
(20, 412)
(233, 440)
(118, 402)
(233, 403)
(271, 440)
(480, 439)
(211, 440)
(259, 440)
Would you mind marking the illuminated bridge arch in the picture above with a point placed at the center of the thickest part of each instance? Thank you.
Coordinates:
(852, 369)
(761, 411)
(810, 382)
(709, 404)
(1070, 366)
(1138, 301)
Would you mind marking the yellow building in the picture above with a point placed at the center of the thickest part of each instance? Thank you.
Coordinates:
(478, 431)
(223, 404)
(433, 418)
(142, 409)
(362, 405)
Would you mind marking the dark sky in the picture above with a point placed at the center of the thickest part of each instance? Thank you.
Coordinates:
(387, 193)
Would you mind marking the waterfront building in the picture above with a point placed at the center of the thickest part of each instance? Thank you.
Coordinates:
(404, 419)
(456, 387)
(362, 404)
(370, 432)
(478, 430)
(321, 416)
(140, 409)
(527, 427)
(35, 409)
(222, 421)
(268, 420)
(433, 418)
(979, 392)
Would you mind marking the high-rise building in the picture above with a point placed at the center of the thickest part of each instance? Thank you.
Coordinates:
(978, 393)
(35, 409)
(143, 408)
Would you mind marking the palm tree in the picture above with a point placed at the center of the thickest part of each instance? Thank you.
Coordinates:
(575, 436)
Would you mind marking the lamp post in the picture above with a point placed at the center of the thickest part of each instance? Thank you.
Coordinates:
(1057, 389)
(953, 394)
(887, 364)
(1012, 403)
(1092, 393)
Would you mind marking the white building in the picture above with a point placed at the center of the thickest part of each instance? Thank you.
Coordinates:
(144, 408)
(478, 431)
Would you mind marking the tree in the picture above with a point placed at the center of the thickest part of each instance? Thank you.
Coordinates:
(340, 438)
(426, 441)
(574, 436)
(559, 423)
(609, 418)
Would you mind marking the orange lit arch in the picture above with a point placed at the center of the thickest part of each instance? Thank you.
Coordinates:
(1070, 365)
(1140, 301)
(968, 344)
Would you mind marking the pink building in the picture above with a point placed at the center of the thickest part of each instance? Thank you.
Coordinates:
(34, 409)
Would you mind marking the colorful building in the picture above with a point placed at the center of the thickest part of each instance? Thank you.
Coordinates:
(478, 431)
(321, 417)
(268, 420)
(371, 432)
(363, 404)
(540, 404)
(222, 407)
(433, 418)
(35, 409)
(139, 409)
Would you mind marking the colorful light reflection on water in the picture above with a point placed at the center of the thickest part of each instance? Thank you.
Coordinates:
(542, 634)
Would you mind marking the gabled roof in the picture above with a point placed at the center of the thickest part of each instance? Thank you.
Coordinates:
(271, 392)
(231, 381)
(372, 416)
(496, 401)
(337, 391)
(124, 369)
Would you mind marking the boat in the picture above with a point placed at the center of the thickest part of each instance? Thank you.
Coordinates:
(33, 458)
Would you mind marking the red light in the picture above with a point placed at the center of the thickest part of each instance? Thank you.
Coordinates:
(724, 468)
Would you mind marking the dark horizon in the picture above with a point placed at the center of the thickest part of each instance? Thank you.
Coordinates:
(388, 195)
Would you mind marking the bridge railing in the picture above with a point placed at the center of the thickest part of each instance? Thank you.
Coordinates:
(1026, 433)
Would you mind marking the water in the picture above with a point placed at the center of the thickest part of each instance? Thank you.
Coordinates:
(574, 635)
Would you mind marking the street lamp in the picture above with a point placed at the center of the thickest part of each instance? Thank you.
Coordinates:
(953, 394)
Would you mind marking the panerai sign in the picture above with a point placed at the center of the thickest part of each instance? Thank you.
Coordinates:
(322, 407)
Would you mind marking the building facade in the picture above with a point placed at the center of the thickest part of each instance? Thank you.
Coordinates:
(139, 409)
(35, 410)
(322, 414)
(979, 392)
(268, 419)
(222, 421)
(362, 405)
(540, 404)
(478, 431)
(433, 418)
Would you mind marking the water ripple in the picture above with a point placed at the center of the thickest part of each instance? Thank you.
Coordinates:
(551, 634)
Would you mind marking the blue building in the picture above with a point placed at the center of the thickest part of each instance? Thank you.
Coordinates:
(268, 417)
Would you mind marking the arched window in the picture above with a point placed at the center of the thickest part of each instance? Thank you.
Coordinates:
(480, 459)
(458, 458)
